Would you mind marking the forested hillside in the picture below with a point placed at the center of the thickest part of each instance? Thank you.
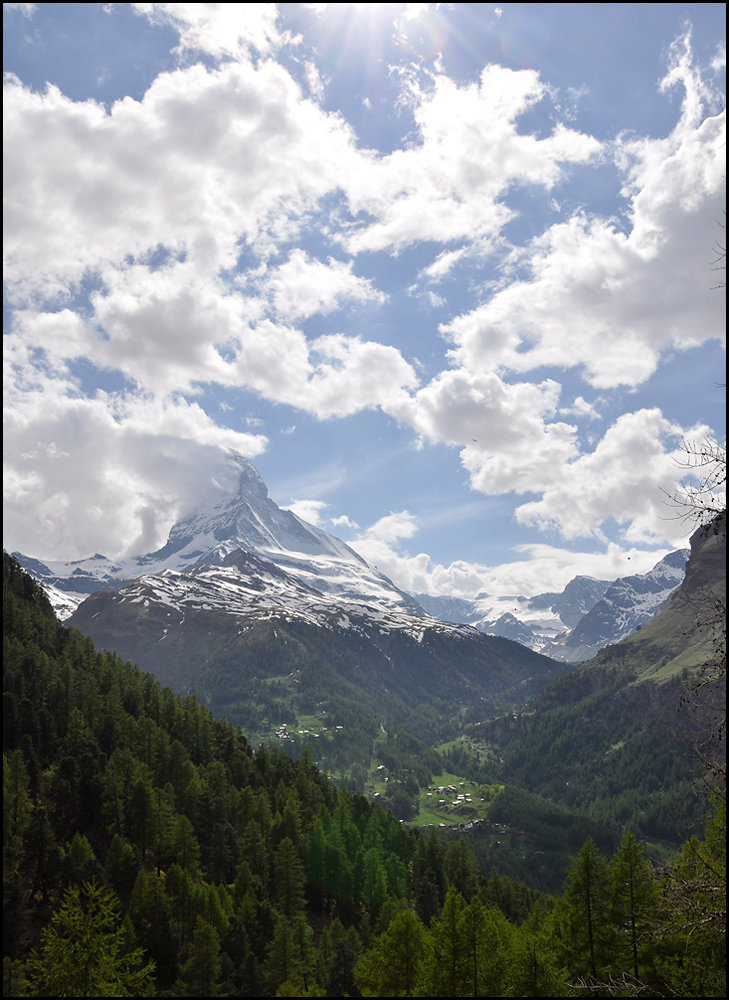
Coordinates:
(613, 738)
(148, 850)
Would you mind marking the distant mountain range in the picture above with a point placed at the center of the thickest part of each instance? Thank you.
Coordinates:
(570, 626)
(574, 625)
(626, 606)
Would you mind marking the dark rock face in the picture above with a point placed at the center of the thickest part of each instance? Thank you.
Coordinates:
(627, 604)
(578, 598)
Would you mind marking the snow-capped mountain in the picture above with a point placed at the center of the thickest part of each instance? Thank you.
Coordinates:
(244, 590)
(245, 595)
(574, 625)
(570, 626)
(236, 632)
(628, 604)
(543, 616)
(246, 519)
(532, 621)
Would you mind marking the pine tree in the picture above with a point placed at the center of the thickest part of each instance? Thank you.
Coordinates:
(83, 952)
(200, 974)
(533, 969)
(391, 967)
(444, 952)
(289, 879)
(343, 951)
(693, 911)
(486, 936)
(586, 905)
(635, 895)
(460, 867)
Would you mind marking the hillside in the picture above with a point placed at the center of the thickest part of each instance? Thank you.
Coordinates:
(301, 667)
(148, 851)
(676, 639)
(608, 738)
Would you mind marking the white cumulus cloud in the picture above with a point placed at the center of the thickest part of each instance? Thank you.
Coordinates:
(626, 478)
(311, 511)
(301, 287)
(611, 301)
(220, 29)
(535, 568)
(506, 442)
(449, 185)
(108, 474)
(206, 160)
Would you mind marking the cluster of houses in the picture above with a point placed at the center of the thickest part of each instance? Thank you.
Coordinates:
(471, 826)
(460, 799)
(284, 734)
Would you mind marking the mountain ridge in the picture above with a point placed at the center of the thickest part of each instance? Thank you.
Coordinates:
(569, 626)
(244, 519)
(573, 625)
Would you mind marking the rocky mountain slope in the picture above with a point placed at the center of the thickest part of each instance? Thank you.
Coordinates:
(530, 620)
(221, 630)
(246, 519)
(572, 625)
(627, 605)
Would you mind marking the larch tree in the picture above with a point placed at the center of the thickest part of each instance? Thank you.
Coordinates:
(586, 906)
(634, 899)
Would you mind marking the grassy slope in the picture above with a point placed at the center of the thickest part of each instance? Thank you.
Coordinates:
(607, 739)
(677, 639)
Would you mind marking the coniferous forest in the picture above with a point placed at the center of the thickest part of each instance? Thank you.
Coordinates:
(148, 850)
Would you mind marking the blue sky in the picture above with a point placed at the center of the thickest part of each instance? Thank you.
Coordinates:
(443, 272)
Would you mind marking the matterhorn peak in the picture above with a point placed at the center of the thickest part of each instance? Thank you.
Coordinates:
(249, 479)
(245, 518)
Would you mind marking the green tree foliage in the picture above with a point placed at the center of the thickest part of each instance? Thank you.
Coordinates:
(81, 864)
(693, 909)
(200, 974)
(290, 956)
(391, 967)
(289, 879)
(585, 910)
(635, 897)
(444, 952)
(461, 869)
(83, 952)
(467, 952)
(487, 938)
(339, 950)
(534, 970)
(429, 877)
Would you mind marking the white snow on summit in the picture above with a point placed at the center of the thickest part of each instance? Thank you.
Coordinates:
(246, 519)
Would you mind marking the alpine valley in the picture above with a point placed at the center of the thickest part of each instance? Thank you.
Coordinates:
(290, 634)
(271, 621)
